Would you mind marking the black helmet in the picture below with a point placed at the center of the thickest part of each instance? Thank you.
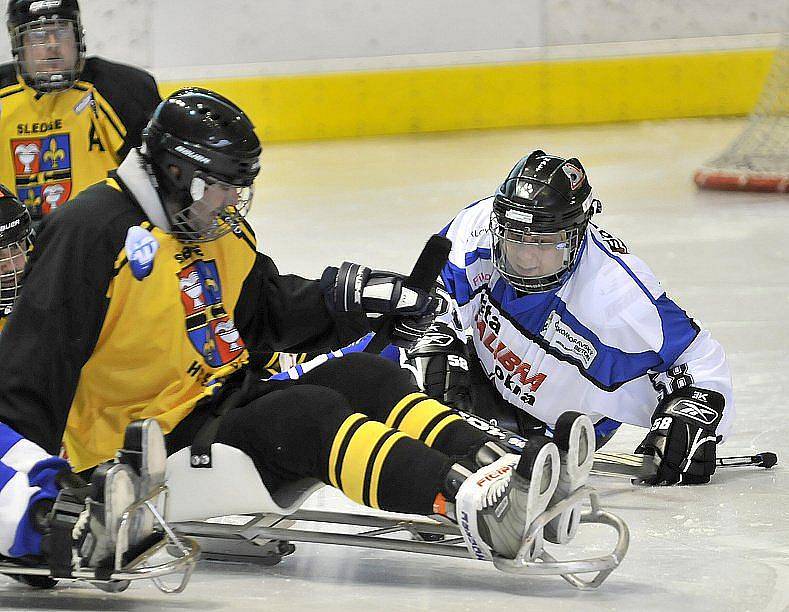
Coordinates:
(35, 24)
(199, 146)
(16, 232)
(540, 215)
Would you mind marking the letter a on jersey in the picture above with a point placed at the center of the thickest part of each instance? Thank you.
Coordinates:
(210, 328)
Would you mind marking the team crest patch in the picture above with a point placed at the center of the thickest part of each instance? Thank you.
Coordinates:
(211, 330)
(141, 249)
(42, 168)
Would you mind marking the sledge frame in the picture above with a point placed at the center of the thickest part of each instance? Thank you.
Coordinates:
(183, 551)
(265, 538)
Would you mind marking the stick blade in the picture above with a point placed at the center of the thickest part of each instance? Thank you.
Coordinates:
(767, 460)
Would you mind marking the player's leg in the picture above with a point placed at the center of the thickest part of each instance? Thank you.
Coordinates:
(63, 522)
(310, 431)
(574, 436)
(387, 393)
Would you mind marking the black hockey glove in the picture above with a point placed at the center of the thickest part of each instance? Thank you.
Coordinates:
(440, 361)
(682, 439)
(355, 288)
(409, 330)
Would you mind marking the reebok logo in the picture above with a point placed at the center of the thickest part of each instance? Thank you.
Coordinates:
(694, 410)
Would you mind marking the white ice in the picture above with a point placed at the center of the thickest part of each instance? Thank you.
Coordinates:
(723, 256)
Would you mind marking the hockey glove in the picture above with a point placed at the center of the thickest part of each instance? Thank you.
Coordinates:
(409, 330)
(682, 439)
(440, 361)
(355, 288)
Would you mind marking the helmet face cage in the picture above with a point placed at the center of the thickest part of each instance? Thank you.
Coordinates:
(15, 243)
(217, 207)
(550, 255)
(49, 52)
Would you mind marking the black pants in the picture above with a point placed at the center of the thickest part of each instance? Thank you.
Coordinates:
(288, 429)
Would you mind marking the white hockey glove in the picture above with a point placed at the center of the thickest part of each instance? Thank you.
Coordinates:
(682, 440)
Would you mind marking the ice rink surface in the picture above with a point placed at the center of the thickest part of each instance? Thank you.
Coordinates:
(723, 257)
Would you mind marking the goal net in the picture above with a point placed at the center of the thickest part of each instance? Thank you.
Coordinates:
(758, 159)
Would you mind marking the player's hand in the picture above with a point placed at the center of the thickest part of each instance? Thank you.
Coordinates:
(439, 358)
(355, 288)
(408, 330)
(682, 440)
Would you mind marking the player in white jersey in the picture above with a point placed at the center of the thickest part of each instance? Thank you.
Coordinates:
(560, 316)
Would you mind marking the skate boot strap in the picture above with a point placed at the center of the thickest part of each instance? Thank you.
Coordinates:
(57, 543)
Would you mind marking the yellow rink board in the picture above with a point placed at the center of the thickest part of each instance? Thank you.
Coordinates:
(337, 105)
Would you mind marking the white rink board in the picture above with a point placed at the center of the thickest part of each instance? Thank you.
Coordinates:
(724, 257)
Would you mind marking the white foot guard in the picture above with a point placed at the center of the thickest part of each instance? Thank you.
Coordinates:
(112, 491)
(144, 450)
(574, 436)
(496, 504)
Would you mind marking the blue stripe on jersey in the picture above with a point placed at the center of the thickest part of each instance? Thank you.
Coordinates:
(456, 281)
(390, 352)
(605, 426)
(28, 540)
(611, 367)
(8, 438)
(679, 330)
(476, 254)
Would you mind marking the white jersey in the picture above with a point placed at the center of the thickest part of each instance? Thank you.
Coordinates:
(608, 342)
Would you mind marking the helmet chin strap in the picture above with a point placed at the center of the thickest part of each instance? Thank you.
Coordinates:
(134, 172)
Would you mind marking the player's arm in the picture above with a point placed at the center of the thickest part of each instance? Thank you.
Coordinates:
(440, 358)
(695, 411)
(54, 328)
(285, 312)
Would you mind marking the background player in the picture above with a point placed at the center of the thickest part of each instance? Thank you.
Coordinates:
(66, 120)
(157, 318)
(16, 232)
(563, 317)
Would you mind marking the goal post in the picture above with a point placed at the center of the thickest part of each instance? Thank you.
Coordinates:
(758, 159)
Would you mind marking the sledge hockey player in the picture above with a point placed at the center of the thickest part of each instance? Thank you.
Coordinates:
(16, 232)
(562, 317)
(66, 120)
(151, 310)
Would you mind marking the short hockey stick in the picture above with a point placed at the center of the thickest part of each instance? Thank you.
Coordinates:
(626, 465)
(610, 464)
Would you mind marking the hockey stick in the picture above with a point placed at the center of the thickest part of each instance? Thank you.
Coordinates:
(626, 465)
(623, 465)
(423, 276)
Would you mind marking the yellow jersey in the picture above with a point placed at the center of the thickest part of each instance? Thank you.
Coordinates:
(120, 321)
(53, 146)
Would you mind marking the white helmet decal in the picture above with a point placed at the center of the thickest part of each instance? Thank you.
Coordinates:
(575, 175)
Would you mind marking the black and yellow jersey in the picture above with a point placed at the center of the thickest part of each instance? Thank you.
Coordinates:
(119, 321)
(55, 145)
